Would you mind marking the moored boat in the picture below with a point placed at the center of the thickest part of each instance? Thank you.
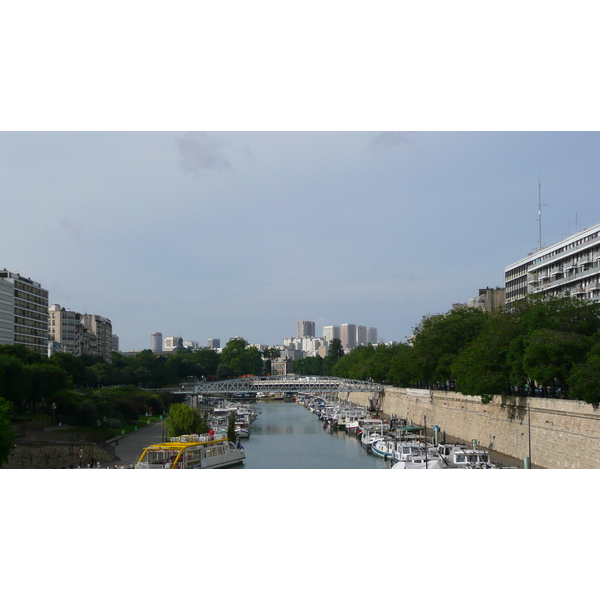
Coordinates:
(192, 452)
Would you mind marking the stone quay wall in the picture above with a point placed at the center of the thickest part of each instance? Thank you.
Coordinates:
(562, 434)
(57, 455)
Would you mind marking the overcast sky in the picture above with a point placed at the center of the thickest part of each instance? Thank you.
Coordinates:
(224, 234)
(225, 173)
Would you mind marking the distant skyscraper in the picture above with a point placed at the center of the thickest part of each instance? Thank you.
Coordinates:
(361, 335)
(371, 335)
(306, 329)
(330, 332)
(156, 342)
(348, 335)
(214, 343)
(115, 343)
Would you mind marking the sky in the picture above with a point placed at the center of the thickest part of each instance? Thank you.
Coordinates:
(219, 234)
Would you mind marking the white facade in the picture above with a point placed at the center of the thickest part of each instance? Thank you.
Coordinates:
(7, 313)
(568, 268)
(156, 341)
(101, 327)
(330, 332)
(214, 343)
(172, 343)
(27, 311)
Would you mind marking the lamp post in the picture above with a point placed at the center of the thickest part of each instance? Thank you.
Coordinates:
(53, 413)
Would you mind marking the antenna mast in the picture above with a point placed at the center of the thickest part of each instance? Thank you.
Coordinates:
(540, 209)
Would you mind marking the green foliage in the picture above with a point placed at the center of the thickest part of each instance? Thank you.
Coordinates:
(335, 351)
(231, 436)
(311, 365)
(7, 436)
(438, 340)
(183, 419)
(584, 379)
(240, 359)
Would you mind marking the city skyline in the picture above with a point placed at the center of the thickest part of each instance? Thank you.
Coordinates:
(421, 243)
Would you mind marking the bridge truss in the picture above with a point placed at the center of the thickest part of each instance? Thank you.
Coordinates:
(283, 383)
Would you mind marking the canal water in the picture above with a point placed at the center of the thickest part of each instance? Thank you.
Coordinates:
(288, 436)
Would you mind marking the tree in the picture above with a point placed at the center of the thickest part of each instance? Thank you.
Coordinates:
(438, 340)
(584, 379)
(7, 436)
(231, 435)
(183, 419)
(550, 355)
(241, 360)
(335, 351)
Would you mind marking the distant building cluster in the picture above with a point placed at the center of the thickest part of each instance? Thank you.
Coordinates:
(27, 319)
(306, 344)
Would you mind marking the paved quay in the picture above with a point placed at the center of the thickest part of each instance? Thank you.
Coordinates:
(128, 448)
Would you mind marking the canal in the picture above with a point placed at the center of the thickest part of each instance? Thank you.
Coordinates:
(287, 436)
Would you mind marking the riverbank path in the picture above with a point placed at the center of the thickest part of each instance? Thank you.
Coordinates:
(129, 448)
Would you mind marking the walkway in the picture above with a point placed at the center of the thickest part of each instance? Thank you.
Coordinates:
(129, 448)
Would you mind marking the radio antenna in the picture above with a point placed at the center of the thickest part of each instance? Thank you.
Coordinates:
(540, 209)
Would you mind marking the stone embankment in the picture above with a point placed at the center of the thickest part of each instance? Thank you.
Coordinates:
(56, 455)
(555, 434)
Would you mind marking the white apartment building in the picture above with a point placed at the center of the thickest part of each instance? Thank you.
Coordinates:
(330, 332)
(173, 343)
(214, 343)
(23, 312)
(66, 329)
(101, 327)
(568, 268)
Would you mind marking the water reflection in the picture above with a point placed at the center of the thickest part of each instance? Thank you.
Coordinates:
(287, 436)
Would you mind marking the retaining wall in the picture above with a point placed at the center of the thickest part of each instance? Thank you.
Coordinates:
(57, 455)
(563, 434)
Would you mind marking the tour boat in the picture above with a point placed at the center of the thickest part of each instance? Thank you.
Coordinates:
(192, 452)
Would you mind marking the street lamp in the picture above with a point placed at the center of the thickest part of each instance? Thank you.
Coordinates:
(53, 413)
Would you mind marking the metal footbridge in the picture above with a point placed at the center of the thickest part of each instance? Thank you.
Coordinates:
(282, 384)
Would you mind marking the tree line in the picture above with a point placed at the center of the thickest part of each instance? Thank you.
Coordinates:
(545, 347)
(86, 390)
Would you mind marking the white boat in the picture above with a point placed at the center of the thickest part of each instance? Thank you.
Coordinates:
(460, 456)
(192, 452)
(407, 450)
(420, 462)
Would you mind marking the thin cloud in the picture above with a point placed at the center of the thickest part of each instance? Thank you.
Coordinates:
(198, 154)
(76, 231)
(388, 139)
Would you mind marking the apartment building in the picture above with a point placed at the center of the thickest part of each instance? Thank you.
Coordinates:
(101, 327)
(306, 329)
(331, 332)
(568, 268)
(66, 329)
(23, 312)
(173, 343)
(348, 335)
